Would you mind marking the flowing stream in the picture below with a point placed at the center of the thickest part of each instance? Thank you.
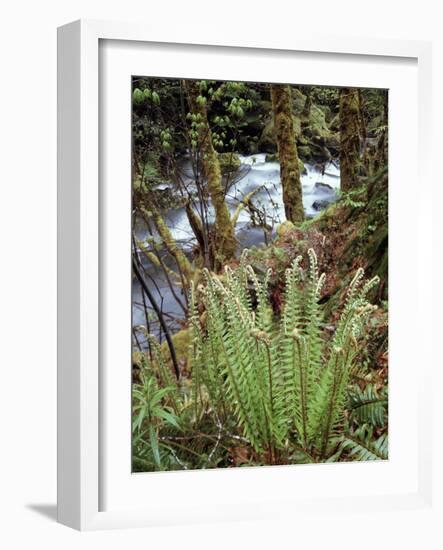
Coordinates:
(319, 188)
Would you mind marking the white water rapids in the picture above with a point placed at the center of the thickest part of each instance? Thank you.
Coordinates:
(319, 188)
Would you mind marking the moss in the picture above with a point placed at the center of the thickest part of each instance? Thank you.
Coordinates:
(271, 157)
(317, 122)
(245, 203)
(334, 125)
(181, 341)
(310, 115)
(323, 219)
(284, 228)
(296, 123)
(349, 138)
(305, 152)
(137, 359)
(365, 240)
(298, 100)
(171, 246)
(315, 140)
(196, 225)
(287, 152)
(225, 244)
(267, 142)
(229, 163)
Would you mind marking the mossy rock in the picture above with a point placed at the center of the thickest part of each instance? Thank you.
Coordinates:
(304, 152)
(317, 115)
(334, 125)
(317, 122)
(271, 157)
(299, 100)
(229, 163)
(181, 341)
(285, 228)
(267, 142)
(314, 129)
(332, 142)
(326, 111)
(297, 126)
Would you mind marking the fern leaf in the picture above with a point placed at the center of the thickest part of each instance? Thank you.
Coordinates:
(362, 446)
(368, 406)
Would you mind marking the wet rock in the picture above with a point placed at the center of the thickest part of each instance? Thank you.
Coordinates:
(167, 197)
(304, 153)
(321, 204)
(324, 188)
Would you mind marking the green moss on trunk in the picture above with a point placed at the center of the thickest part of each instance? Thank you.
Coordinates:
(196, 225)
(226, 243)
(349, 138)
(287, 152)
(171, 246)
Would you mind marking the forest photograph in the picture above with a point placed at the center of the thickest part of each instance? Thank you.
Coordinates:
(259, 274)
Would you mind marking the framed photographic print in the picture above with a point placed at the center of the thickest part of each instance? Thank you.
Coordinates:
(227, 293)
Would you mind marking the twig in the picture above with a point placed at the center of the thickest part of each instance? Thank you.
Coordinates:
(159, 315)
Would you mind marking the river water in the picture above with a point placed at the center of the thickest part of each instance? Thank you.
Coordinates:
(319, 188)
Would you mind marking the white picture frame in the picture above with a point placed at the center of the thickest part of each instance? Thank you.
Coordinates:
(81, 396)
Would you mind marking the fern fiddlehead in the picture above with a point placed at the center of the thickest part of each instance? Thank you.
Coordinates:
(277, 375)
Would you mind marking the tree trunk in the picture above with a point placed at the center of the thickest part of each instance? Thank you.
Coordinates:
(287, 152)
(226, 243)
(381, 156)
(196, 225)
(349, 138)
(171, 246)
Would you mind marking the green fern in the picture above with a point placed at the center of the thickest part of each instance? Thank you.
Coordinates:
(361, 445)
(369, 406)
(280, 377)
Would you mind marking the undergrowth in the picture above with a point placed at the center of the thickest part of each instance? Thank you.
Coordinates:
(263, 388)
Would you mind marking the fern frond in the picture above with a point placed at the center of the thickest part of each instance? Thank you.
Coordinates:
(278, 377)
(361, 445)
(368, 406)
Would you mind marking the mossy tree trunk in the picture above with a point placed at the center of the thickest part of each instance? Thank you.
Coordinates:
(349, 138)
(225, 243)
(381, 157)
(171, 246)
(287, 152)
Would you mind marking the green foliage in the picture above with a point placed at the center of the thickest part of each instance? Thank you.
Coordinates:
(282, 379)
(266, 379)
(149, 412)
(361, 445)
(353, 198)
(369, 406)
(262, 388)
(138, 96)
